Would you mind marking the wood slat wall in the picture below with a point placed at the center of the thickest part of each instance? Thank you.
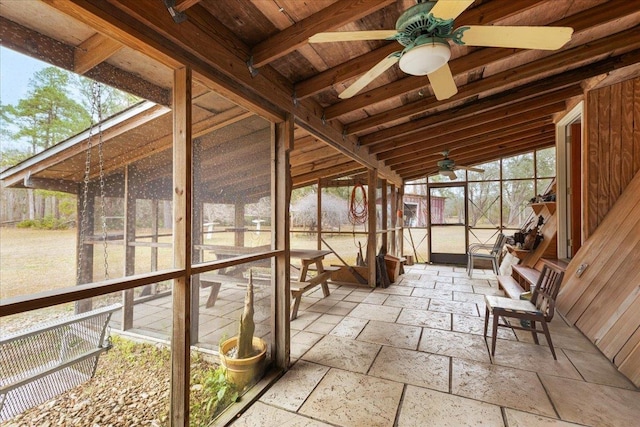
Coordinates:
(604, 301)
(612, 146)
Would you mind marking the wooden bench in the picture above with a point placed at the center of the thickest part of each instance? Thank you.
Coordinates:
(50, 359)
(299, 288)
(524, 278)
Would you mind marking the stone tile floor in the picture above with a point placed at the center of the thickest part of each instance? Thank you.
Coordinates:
(414, 355)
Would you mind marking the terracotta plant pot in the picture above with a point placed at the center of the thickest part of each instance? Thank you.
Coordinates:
(244, 372)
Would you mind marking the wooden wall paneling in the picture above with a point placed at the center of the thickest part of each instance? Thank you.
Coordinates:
(617, 280)
(617, 335)
(636, 128)
(627, 348)
(591, 164)
(604, 261)
(604, 240)
(604, 116)
(626, 133)
(631, 366)
(615, 126)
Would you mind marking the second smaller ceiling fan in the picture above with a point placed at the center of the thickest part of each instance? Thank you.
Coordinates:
(447, 167)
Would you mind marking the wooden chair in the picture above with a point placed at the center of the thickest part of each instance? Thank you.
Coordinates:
(493, 254)
(539, 310)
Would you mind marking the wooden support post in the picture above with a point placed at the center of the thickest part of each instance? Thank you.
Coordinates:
(239, 224)
(319, 215)
(372, 179)
(384, 222)
(281, 190)
(129, 251)
(197, 255)
(180, 343)
(393, 204)
(85, 250)
(400, 214)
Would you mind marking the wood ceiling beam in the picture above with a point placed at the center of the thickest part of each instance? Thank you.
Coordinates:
(511, 77)
(468, 116)
(31, 43)
(94, 50)
(321, 152)
(336, 15)
(407, 143)
(319, 164)
(484, 14)
(480, 58)
(502, 138)
(216, 54)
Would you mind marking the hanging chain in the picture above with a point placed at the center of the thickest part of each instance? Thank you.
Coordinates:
(96, 111)
(96, 89)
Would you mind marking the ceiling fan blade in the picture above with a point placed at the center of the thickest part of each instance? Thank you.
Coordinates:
(442, 82)
(346, 36)
(370, 75)
(546, 38)
(450, 9)
(450, 174)
(472, 169)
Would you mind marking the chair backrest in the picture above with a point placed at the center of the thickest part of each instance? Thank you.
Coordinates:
(497, 247)
(546, 290)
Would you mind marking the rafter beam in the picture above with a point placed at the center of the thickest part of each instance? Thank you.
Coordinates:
(186, 4)
(94, 50)
(336, 15)
(312, 177)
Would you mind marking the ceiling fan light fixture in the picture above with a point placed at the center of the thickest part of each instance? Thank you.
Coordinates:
(425, 58)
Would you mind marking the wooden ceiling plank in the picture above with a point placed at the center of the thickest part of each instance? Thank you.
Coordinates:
(336, 15)
(484, 111)
(506, 78)
(390, 148)
(91, 52)
(485, 13)
(466, 63)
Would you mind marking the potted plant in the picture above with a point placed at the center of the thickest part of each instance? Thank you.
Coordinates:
(244, 355)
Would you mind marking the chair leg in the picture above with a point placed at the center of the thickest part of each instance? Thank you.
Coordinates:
(534, 333)
(495, 333)
(469, 266)
(494, 262)
(547, 335)
(486, 321)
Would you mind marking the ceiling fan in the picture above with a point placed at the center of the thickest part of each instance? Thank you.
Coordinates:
(425, 30)
(447, 166)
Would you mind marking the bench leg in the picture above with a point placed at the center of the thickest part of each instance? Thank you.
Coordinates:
(486, 321)
(297, 296)
(213, 296)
